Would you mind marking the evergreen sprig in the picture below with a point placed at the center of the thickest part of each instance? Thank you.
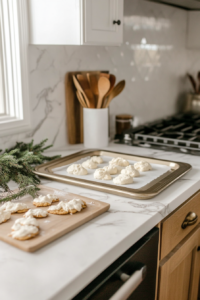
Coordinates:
(17, 164)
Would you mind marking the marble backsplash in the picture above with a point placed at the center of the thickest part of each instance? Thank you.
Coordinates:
(153, 60)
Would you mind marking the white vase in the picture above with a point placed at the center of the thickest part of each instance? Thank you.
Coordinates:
(95, 127)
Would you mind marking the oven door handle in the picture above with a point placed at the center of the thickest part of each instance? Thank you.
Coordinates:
(130, 285)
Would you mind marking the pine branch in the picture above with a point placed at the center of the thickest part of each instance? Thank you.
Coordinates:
(17, 164)
(31, 190)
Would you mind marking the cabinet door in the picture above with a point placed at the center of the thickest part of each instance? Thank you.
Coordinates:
(98, 17)
(179, 271)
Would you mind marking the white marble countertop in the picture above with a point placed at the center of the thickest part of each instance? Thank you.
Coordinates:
(64, 267)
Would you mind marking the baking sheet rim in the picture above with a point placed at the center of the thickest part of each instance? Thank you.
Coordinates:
(148, 191)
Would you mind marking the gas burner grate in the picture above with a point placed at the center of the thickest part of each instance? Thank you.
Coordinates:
(180, 131)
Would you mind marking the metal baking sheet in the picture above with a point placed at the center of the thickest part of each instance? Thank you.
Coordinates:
(147, 186)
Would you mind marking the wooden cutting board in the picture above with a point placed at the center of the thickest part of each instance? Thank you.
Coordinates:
(53, 226)
(74, 110)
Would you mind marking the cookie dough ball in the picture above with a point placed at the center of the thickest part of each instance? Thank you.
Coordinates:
(131, 171)
(111, 169)
(142, 166)
(97, 159)
(119, 161)
(123, 179)
(77, 169)
(102, 174)
(89, 164)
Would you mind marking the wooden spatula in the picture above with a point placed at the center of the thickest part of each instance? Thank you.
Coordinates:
(81, 99)
(86, 87)
(103, 87)
(79, 88)
(116, 91)
(93, 80)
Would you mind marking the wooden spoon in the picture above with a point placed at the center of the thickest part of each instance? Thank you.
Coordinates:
(79, 88)
(112, 84)
(116, 91)
(103, 87)
(104, 75)
(86, 87)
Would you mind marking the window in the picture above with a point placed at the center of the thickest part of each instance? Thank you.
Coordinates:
(14, 77)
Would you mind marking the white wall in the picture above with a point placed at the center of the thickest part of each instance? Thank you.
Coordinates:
(153, 60)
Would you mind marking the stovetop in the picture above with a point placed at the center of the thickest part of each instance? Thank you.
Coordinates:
(180, 133)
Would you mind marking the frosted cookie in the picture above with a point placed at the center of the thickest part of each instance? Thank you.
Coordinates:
(142, 166)
(4, 216)
(97, 159)
(89, 164)
(111, 169)
(131, 171)
(123, 179)
(15, 207)
(64, 208)
(25, 221)
(25, 232)
(36, 213)
(77, 169)
(57, 209)
(45, 200)
(119, 161)
(102, 174)
(74, 205)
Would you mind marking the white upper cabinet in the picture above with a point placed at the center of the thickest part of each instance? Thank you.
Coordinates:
(103, 22)
(76, 22)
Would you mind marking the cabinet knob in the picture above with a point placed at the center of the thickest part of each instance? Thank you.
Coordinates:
(190, 219)
(118, 22)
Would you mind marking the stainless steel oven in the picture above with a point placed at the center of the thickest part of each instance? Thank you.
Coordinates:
(131, 276)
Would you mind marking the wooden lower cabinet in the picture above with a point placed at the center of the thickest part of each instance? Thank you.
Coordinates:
(179, 270)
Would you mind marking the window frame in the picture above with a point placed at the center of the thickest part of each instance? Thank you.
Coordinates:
(14, 40)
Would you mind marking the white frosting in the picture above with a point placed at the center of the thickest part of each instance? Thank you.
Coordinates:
(111, 169)
(45, 199)
(77, 169)
(37, 212)
(14, 207)
(102, 174)
(97, 159)
(131, 171)
(123, 179)
(119, 161)
(4, 215)
(142, 166)
(24, 231)
(25, 221)
(55, 207)
(67, 206)
(89, 164)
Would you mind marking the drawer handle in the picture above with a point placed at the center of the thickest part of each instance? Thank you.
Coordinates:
(130, 285)
(190, 219)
